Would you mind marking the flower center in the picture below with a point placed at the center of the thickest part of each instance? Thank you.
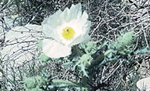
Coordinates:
(68, 33)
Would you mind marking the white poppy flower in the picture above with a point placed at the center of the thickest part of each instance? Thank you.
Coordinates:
(66, 28)
(143, 84)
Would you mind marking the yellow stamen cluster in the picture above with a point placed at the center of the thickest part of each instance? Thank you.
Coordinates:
(68, 33)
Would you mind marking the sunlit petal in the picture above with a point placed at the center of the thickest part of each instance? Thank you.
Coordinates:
(55, 49)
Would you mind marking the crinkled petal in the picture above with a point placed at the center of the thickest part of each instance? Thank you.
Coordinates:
(50, 32)
(55, 49)
(82, 30)
(84, 17)
(51, 23)
(53, 18)
(80, 39)
(72, 13)
(85, 23)
(65, 15)
(76, 10)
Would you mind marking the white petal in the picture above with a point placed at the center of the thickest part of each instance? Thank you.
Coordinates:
(54, 49)
(84, 16)
(144, 84)
(81, 25)
(51, 23)
(50, 32)
(85, 23)
(65, 15)
(53, 18)
(80, 39)
(69, 14)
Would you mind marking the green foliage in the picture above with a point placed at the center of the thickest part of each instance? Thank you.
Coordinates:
(33, 83)
(85, 60)
(4, 2)
(123, 43)
(90, 47)
(124, 40)
(143, 50)
(39, 44)
(44, 58)
(59, 81)
(82, 64)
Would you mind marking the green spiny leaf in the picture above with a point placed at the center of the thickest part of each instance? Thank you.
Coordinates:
(143, 50)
